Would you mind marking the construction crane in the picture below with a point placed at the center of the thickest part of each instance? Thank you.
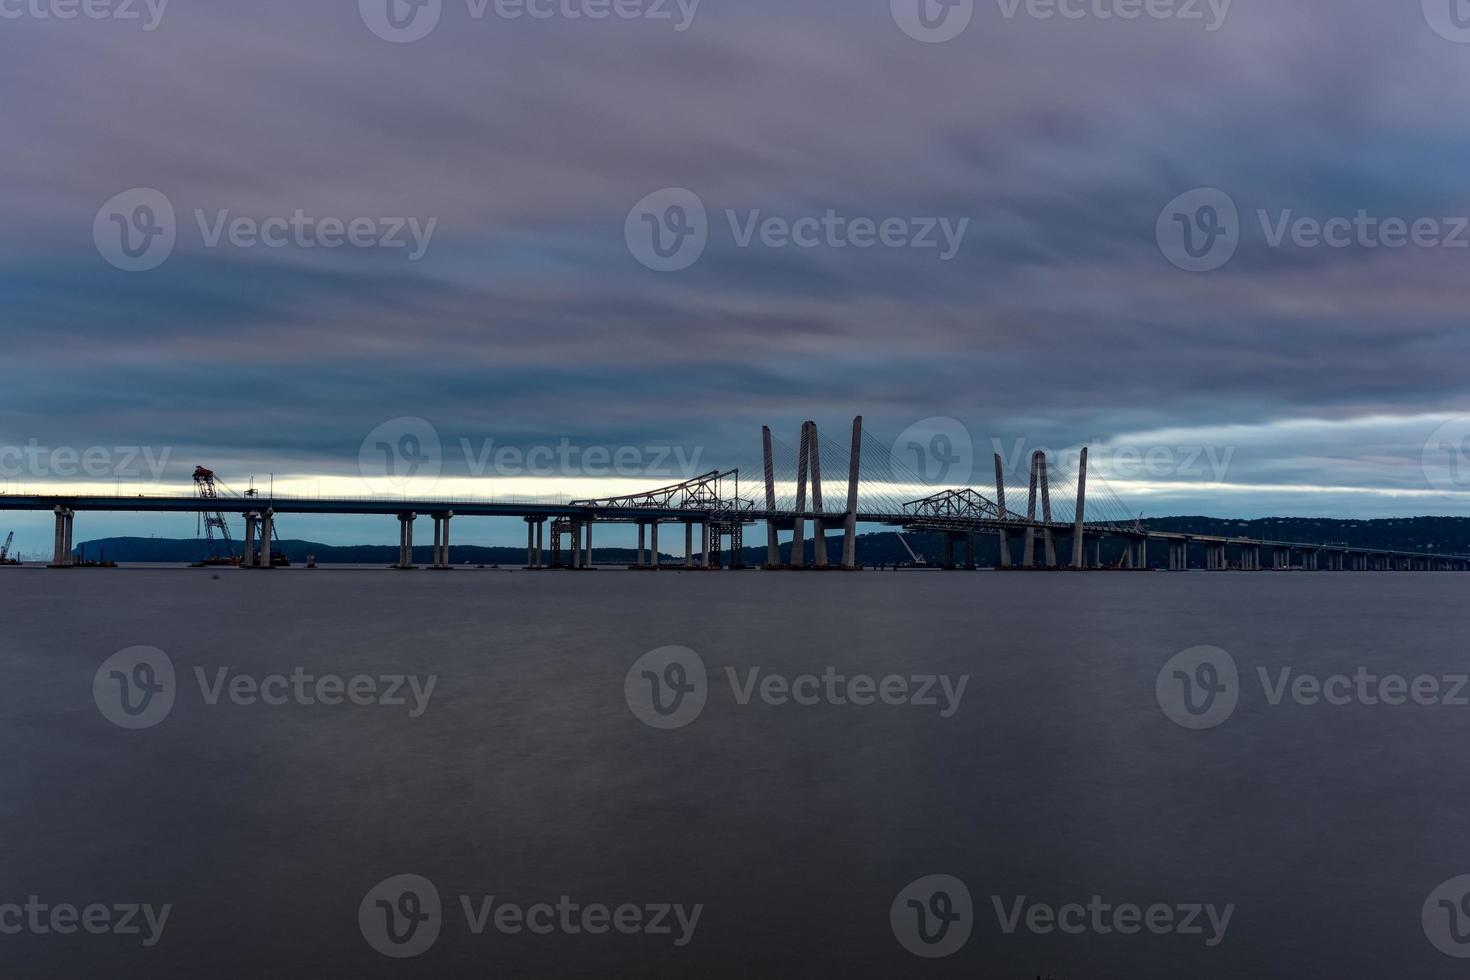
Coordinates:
(5, 558)
(918, 560)
(212, 520)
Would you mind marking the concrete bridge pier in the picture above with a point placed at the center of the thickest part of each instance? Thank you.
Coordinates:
(773, 543)
(61, 552)
(405, 540)
(641, 560)
(251, 519)
(267, 529)
(587, 560)
(849, 520)
(653, 541)
(1079, 540)
(798, 530)
(441, 540)
(689, 543)
(819, 523)
(1178, 556)
(530, 542)
(704, 558)
(1000, 503)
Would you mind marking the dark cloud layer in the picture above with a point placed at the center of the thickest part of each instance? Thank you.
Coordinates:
(529, 320)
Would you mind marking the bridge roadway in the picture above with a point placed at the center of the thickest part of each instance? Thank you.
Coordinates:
(573, 517)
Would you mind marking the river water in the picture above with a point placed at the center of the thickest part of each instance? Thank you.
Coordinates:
(1053, 788)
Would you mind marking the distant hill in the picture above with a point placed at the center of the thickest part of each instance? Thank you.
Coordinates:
(1428, 534)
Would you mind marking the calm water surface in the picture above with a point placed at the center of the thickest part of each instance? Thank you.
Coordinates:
(527, 777)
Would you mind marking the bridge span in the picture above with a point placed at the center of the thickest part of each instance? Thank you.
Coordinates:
(792, 499)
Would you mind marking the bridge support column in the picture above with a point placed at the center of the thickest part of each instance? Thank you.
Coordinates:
(267, 531)
(642, 546)
(773, 543)
(1000, 506)
(1143, 553)
(587, 562)
(704, 558)
(60, 553)
(248, 560)
(530, 543)
(849, 522)
(970, 551)
(540, 552)
(819, 524)
(653, 539)
(689, 544)
(405, 540)
(798, 525)
(1079, 543)
(948, 551)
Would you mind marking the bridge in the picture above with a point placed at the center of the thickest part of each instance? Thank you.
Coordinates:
(880, 489)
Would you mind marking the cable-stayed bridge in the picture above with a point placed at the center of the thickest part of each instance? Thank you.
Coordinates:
(818, 486)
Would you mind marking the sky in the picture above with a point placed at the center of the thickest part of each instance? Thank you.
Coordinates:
(1222, 244)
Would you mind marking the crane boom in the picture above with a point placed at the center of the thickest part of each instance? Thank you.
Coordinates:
(5, 551)
(915, 558)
